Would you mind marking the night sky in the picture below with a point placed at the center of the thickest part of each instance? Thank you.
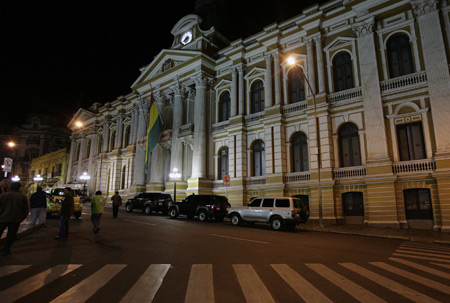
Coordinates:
(57, 56)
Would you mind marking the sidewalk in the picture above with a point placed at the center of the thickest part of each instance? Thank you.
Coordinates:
(415, 235)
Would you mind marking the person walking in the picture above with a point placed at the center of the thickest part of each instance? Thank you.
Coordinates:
(116, 202)
(66, 212)
(97, 207)
(13, 210)
(38, 206)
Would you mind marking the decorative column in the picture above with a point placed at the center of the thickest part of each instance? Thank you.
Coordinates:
(268, 84)
(134, 124)
(176, 160)
(311, 70)
(200, 155)
(139, 171)
(276, 67)
(119, 133)
(233, 92)
(73, 150)
(105, 136)
(320, 66)
(436, 65)
(241, 90)
(373, 108)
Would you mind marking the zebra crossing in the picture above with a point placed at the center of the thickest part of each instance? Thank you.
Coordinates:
(410, 262)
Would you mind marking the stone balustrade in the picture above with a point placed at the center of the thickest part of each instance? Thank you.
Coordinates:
(294, 107)
(404, 81)
(408, 167)
(297, 177)
(350, 172)
(348, 94)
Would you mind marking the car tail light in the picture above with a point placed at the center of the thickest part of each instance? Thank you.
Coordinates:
(213, 206)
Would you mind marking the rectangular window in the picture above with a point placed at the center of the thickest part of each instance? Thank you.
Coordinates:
(268, 202)
(418, 204)
(411, 142)
(282, 203)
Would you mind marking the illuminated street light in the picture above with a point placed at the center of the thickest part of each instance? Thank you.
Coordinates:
(11, 144)
(175, 175)
(38, 178)
(79, 124)
(85, 177)
(15, 178)
(291, 61)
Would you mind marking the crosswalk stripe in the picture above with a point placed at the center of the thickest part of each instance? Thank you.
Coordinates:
(200, 287)
(427, 246)
(253, 288)
(422, 268)
(422, 254)
(412, 249)
(419, 257)
(389, 284)
(10, 269)
(89, 286)
(406, 274)
(144, 290)
(441, 265)
(300, 285)
(35, 282)
(345, 284)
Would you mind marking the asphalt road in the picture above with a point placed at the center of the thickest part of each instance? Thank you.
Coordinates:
(138, 258)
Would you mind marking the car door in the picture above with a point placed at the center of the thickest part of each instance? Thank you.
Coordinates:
(250, 213)
(266, 209)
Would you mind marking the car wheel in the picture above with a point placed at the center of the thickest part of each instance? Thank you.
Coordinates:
(147, 210)
(277, 223)
(128, 208)
(235, 219)
(173, 213)
(202, 216)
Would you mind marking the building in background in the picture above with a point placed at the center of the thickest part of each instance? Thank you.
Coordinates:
(366, 87)
(52, 167)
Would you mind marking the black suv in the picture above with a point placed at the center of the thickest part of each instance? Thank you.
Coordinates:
(203, 206)
(149, 202)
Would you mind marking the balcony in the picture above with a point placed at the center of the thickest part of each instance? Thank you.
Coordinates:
(297, 177)
(415, 166)
(295, 107)
(345, 95)
(410, 80)
(217, 127)
(254, 117)
(186, 130)
(350, 172)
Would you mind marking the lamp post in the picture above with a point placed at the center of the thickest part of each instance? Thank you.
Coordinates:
(15, 178)
(291, 61)
(85, 177)
(175, 175)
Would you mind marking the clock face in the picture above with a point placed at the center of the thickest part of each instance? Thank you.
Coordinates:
(186, 38)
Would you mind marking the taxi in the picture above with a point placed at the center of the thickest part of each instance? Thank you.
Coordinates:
(55, 197)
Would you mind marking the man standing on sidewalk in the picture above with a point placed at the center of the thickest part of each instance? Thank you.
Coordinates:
(38, 206)
(13, 210)
(66, 212)
(116, 202)
(97, 207)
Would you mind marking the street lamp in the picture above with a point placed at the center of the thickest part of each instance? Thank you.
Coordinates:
(38, 178)
(85, 177)
(15, 178)
(175, 175)
(291, 61)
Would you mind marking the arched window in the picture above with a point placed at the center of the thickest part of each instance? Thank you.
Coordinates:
(411, 144)
(259, 159)
(257, 96)
(112, 141)
(296, 86)
(399, 56)
(224, 107)
(349, 145)
(343, 72)
(223, 162)
(88, 148)
(299, 152)
(127, 136)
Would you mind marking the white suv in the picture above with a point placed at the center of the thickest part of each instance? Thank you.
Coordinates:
(281, 213)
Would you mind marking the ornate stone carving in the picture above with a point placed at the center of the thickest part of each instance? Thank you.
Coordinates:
(422, 7)
(364, 27)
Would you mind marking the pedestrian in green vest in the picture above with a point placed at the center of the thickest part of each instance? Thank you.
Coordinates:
(97, 206)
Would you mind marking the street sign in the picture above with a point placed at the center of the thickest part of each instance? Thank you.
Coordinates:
(226, 180)
(7, 164)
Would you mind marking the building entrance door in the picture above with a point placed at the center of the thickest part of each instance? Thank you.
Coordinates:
(418, 208)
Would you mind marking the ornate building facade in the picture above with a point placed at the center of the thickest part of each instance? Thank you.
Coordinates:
(365, 90)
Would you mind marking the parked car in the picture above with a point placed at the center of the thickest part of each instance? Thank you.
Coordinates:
(280, 212)
(149, 202)
(55, 197)
(203, 206)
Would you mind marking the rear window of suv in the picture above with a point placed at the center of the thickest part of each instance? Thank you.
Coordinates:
(282, 203)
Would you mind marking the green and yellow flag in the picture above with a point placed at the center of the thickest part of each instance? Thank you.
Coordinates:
(154, 127)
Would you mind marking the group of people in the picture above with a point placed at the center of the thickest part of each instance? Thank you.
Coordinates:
(14, 208)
